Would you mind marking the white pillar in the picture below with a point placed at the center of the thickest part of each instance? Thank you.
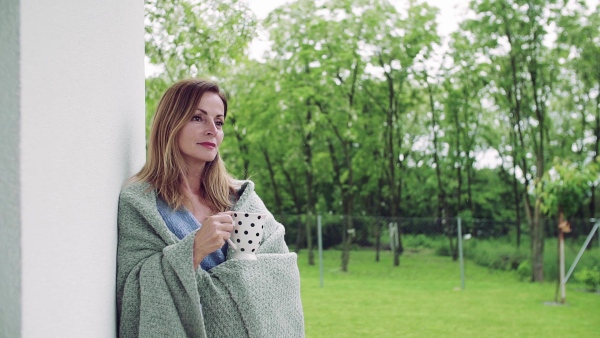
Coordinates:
(76, 133)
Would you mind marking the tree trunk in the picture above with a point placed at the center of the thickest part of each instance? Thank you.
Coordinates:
(400, 246)
(537, 245)
(516, 192)
(596, 153)
(537, 237)
(243, 149)
(470, 185)
(458, 163)
(309, 186)
(278, 199)
(346, 189)
(442, 207)
(309, 243)
(377, 239)
(391, 113)
(348, 202)
(297, 205)
(348, 221)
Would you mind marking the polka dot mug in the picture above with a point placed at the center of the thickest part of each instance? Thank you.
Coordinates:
(247, 233)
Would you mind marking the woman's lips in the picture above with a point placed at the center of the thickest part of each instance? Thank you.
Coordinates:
(209, 145)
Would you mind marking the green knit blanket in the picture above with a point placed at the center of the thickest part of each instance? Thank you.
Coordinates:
(159, 294)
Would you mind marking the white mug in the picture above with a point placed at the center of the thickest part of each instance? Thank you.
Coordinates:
(247, 233)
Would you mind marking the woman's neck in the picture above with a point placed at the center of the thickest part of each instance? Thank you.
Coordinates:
(191, 181)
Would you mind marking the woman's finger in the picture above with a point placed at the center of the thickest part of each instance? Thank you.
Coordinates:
(222, 217)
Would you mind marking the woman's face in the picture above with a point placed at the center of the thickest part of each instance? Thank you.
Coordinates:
(201, 136)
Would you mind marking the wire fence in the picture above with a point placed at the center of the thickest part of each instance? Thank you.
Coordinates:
(365, 230)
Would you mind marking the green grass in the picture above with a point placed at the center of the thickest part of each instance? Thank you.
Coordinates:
(422, 298)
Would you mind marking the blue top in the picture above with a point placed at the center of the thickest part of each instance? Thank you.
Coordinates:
(181, 223)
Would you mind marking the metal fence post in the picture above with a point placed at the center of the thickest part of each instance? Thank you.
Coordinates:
(582, 250)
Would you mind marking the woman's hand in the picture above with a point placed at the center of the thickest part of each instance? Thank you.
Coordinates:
(215, 230)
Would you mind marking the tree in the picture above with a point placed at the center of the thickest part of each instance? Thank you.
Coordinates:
(510, 34)
(579, 51)
(197, 38)
(562, 189)
(400, 45)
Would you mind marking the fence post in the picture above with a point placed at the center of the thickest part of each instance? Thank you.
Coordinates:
(320, 243)
(393, 236)
(587, 241)
(460, 255)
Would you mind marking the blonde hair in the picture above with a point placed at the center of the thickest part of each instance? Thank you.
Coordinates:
(164, 168)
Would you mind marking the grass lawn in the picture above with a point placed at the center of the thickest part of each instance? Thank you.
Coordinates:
(422, 298)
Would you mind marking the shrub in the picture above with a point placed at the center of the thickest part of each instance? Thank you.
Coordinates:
(524, 271)
(443, 249)
(495, 254)
(419, 241)
(589, 277)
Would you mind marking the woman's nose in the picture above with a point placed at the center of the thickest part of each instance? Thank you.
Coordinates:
(211, 128)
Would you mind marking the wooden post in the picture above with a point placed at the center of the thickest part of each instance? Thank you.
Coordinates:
(563, 227)
(561, 249)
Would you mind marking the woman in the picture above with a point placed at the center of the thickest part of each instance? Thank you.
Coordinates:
(174, 278)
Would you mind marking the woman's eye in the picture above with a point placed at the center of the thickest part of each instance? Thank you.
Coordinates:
(219, 123)
(197, 118)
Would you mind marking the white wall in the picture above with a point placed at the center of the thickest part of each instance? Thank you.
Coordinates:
(81, 135)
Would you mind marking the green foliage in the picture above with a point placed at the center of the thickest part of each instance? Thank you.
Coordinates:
(524, 271)
(494, 254)
(192, 38)
(155, 87)
(443, 249)
(590, 278)
(422, 241)
(565, 186)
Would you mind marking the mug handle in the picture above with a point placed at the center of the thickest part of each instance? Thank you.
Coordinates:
(231, 244)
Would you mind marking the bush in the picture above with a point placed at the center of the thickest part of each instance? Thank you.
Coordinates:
(443, 249)
(524, 271)
(495, 254)
(589, 277)
(419, 241)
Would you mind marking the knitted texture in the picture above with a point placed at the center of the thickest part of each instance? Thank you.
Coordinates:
(159, 294)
